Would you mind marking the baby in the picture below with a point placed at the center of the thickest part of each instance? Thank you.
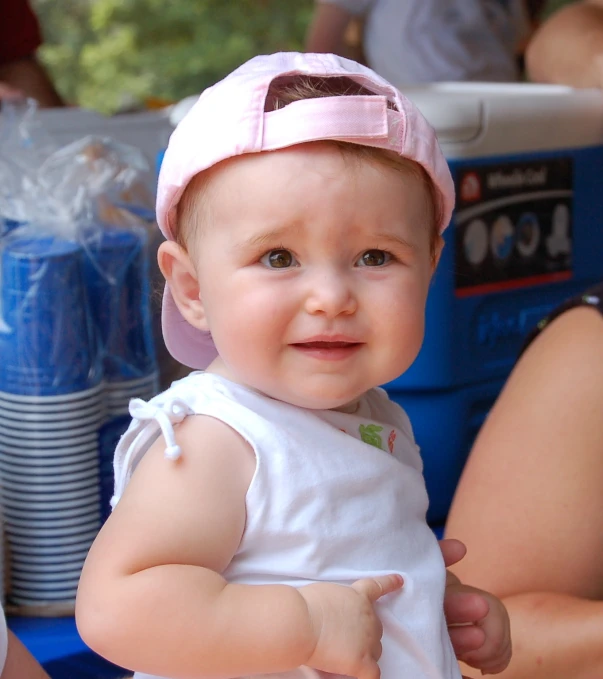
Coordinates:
(303, 200)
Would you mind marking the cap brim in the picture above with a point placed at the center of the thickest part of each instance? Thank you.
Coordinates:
(188, 345)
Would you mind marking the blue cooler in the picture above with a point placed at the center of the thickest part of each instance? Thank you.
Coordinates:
(526, 234)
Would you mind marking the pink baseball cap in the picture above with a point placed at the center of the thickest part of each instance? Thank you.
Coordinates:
(229, 119)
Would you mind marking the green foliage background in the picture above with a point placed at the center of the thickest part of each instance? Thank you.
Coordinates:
(554, 5)
(111, 54)
(108, 54)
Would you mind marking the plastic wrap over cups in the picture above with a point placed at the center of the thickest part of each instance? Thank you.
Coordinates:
(74, 262)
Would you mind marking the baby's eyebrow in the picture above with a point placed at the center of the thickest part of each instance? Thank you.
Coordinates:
(394, 239)
(265, 238)
(280, 233)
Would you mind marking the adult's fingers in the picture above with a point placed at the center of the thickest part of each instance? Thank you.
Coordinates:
(452, 550)
(466, 639)
(462, 607)
(375, 588)
(369, 670)
(496, 663)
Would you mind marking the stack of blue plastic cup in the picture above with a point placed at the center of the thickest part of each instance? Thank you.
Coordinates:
(51, 409)
(118, 283)
(117, 274)
(47, 341)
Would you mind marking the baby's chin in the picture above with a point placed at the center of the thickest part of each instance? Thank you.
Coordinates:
(318, 394)
(315, 399)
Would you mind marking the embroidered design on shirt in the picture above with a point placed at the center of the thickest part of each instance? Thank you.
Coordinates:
(369, 433)
(391, 439)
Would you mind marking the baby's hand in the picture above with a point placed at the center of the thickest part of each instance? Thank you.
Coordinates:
(478, 622)
(348, 631)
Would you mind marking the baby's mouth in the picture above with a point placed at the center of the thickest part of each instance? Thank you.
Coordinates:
(327, 350)
(326, 345)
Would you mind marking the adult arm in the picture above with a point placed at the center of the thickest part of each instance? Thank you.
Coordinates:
(16, 662)
(21, 74)
(26, 76)
(555, 636)
(568, 47)
(529, 506)
(20, 664)
(327, 30)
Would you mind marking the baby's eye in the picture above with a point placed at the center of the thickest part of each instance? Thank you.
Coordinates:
(374, 258)
(279, 259)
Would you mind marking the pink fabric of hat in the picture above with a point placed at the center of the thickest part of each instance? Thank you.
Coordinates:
(229, 119)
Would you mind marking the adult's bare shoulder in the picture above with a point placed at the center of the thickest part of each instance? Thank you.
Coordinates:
(568, 47)
(530, 503)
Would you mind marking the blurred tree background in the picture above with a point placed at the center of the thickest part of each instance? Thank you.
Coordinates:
(554, 5)
(113, 55)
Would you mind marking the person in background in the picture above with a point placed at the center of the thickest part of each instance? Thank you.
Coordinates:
(529, 505)
(16, 662)
(21, 74)
(568, 47)
(421, 41)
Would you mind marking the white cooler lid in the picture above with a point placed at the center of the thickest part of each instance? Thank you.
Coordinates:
(485, 119)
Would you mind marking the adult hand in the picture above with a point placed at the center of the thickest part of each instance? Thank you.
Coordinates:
(478, 622)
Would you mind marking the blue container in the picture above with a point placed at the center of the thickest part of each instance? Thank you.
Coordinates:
(117, 274)
(47, 341)
(478, 315)
(445, 423)
(527, 233)
(159, 160)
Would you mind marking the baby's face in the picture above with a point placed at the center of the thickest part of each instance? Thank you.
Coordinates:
(313, 273)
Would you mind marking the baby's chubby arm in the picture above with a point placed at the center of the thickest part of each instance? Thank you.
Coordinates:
(152, 596)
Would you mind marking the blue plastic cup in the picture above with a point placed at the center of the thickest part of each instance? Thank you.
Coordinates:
(143, 213)
(117, 275)
(47, 340)
(7, 225)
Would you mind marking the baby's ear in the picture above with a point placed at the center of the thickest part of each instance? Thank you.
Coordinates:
(437, 253)
(179, 273)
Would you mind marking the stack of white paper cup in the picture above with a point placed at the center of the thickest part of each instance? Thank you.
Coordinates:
(119, 394)
(117, 397)
(2, 564)
(49, 472)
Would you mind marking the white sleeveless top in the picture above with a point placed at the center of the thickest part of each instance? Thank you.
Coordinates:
(335, 497)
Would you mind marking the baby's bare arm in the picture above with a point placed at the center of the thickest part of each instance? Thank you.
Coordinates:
(151, 595)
